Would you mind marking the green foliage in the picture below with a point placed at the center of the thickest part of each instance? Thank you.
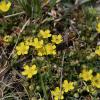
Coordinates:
(31, 7)
(77, 21)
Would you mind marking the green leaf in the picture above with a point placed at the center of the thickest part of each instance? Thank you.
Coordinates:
(83, 1)
(52, 3)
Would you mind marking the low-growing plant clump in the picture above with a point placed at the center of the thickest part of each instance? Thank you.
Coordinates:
(49, 50)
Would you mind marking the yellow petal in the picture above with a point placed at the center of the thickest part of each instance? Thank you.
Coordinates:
(26, 67)
(18, 53)
(24, 73)
(29, 75)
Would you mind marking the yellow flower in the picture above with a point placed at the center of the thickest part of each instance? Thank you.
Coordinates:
(5, 6)
(96, 80)
(57, 39)
(29, 71)
(86, 74)
(22, 49)
(67, 86)
(98, 28)
(37, 44)
(7, 38)
(41, 51)
(97, 51)
(29, 41)
(45, 34)
(58, 94)
(50, 49)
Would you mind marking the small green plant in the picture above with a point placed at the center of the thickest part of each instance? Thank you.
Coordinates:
(49, 50)
(31, 7)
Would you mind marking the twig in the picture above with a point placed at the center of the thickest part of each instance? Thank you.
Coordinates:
(76, 2)
(61, 69)
(9, 97)
(63, 58)
(4, 70)
(20, 13)
(61, 80)
(3, 52)
(6, 85)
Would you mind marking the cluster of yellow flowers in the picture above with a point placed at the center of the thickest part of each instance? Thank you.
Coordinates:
(86, 75)
(97, 51)
(57, 93)
(5, 5)
(29, 71)
(41, 44)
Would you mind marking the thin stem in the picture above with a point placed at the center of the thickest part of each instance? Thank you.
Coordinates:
(61, 70)
(20, 13)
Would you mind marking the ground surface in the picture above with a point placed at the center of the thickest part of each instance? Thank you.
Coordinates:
(50, 50)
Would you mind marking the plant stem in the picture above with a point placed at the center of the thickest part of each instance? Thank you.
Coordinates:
(43, 87)
(13, 15)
